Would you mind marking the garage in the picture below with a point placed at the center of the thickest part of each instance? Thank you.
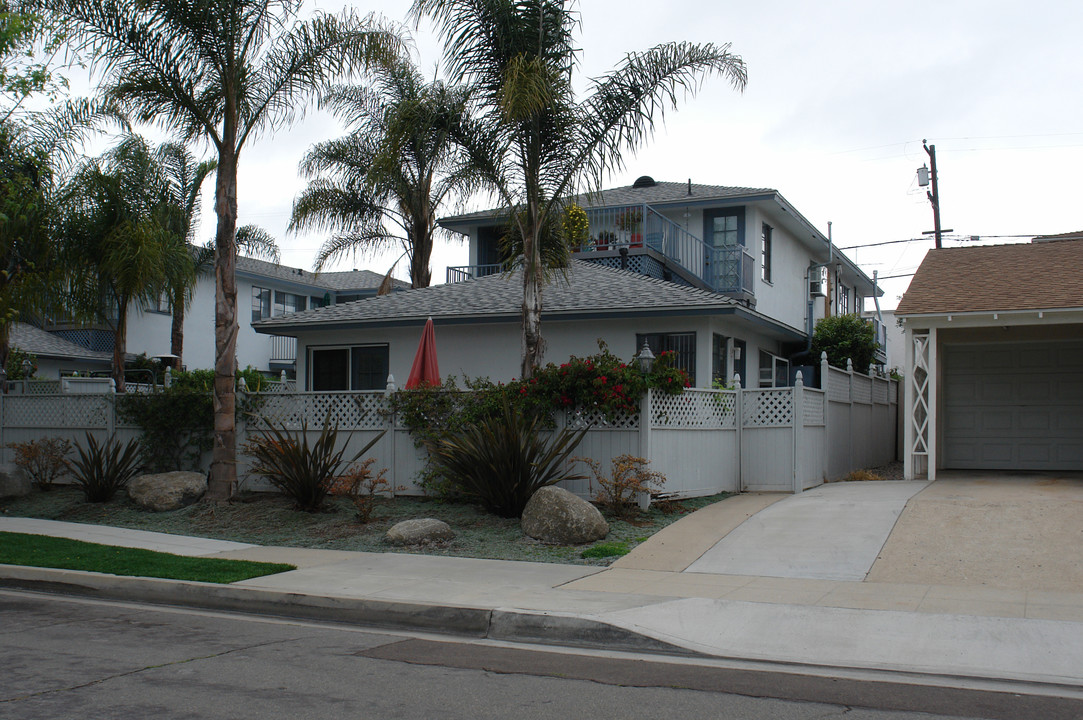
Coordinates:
(1012, 406)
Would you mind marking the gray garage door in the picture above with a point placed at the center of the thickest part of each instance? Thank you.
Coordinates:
(1013, 406)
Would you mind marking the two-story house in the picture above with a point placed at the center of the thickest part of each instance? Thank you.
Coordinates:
(264, 290)
(731, 279)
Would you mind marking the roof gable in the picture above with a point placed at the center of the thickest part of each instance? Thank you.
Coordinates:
(997, 278)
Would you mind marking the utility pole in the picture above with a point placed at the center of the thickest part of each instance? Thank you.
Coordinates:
(934, 194)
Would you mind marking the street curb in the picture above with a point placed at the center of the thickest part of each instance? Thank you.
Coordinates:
(491, 623)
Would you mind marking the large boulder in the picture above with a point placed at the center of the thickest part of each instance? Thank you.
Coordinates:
(14, 484)
(556, 516)
(422, 531)
(167, 491)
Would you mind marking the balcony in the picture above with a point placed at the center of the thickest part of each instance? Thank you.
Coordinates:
(283, 349)
(459, 273)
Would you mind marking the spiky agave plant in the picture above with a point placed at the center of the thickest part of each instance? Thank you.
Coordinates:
(299, 470)
(502, 460)
(101, 470)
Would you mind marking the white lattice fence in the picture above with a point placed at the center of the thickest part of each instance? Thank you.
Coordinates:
(349, 411)
(768, 408)
(879, 391)
(812, 408)
(838, 385)
(700, 409)
(82, 412)
(862, 389)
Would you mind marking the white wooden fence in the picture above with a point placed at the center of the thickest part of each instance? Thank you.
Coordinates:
(702, 441)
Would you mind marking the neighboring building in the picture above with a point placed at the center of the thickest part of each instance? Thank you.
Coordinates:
(264, 290)
(56, 356)
(994, 359)
(890, 338)
(731, 279)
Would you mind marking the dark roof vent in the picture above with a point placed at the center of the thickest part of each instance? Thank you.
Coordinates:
(644, 181)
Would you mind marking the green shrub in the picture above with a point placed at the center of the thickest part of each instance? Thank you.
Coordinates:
(101, 470)
(845, 336)
(43, 461)
(303, 472)
(500, 462)
(177, 426)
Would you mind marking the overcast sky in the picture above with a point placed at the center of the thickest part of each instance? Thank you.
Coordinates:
(840, 95)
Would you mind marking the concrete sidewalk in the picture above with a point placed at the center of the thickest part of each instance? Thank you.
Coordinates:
(646, 601)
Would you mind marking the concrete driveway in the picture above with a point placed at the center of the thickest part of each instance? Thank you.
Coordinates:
(832, 532)
(1010, 531)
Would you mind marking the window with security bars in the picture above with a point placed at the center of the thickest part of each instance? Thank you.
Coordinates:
(683, 345)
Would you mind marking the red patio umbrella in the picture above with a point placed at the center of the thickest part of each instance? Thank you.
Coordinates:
(425, 370)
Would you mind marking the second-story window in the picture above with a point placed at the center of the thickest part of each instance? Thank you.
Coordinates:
(844, 300)
(261, 303)
(286, 303)
(765, 253)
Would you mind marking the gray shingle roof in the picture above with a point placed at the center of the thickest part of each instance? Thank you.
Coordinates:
(38, 342)
(588, 289)
(338, 281)
(657, 194)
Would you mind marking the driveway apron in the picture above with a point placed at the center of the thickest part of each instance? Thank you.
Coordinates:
(833, 532)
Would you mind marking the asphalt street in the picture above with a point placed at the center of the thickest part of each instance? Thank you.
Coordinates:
(68, 657)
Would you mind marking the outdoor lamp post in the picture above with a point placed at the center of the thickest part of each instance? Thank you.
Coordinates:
(28, 367)
(3, 380)
(646, 358)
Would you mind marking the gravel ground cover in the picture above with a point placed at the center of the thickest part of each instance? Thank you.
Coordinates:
(269, 519)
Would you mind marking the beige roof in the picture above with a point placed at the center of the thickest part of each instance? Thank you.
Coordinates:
(997, 278)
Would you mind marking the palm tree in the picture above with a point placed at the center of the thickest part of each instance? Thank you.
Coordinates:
(118, 246)
(533, 141)
(382, 184)
(222, 71)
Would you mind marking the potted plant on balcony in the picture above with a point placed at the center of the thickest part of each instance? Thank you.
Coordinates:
(630, 223)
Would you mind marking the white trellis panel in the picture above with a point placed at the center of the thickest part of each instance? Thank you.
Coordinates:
(838, 385)
(812, 410)
(694, 408)
(768, 408)
(862, 389)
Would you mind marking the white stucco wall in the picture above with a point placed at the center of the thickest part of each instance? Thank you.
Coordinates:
(148, 332)
(493, 349)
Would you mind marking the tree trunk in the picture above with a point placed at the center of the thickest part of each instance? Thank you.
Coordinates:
(222, 481)
(532, 298)
(5, 348)
(421, 254)
(176, 332)
(120, 343)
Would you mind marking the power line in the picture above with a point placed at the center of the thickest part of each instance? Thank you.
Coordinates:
(953, 238)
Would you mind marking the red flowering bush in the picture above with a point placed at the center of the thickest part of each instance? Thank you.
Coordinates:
(602, 381)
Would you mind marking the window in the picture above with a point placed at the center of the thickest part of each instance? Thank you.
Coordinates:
(718, 359)
(340, 299)
(286, 303)
(844, 300)
(683, 344)
(765, 253)
(774, 371)
(361, 367)
(261, 303)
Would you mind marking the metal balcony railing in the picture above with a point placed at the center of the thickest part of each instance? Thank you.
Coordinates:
(460, 273)
(729, 270)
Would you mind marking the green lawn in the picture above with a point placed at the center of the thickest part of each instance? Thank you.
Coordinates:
(53, 552)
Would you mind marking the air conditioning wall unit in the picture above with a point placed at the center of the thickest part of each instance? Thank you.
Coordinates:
(817, 282)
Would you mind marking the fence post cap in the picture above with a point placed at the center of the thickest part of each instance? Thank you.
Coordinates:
(799, 379)
(391, 388)
(849, 365)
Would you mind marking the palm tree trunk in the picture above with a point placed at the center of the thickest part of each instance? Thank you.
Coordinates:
(222, 481)
(532, 296)
(120, 343)
(176, 331)
(421, 242)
